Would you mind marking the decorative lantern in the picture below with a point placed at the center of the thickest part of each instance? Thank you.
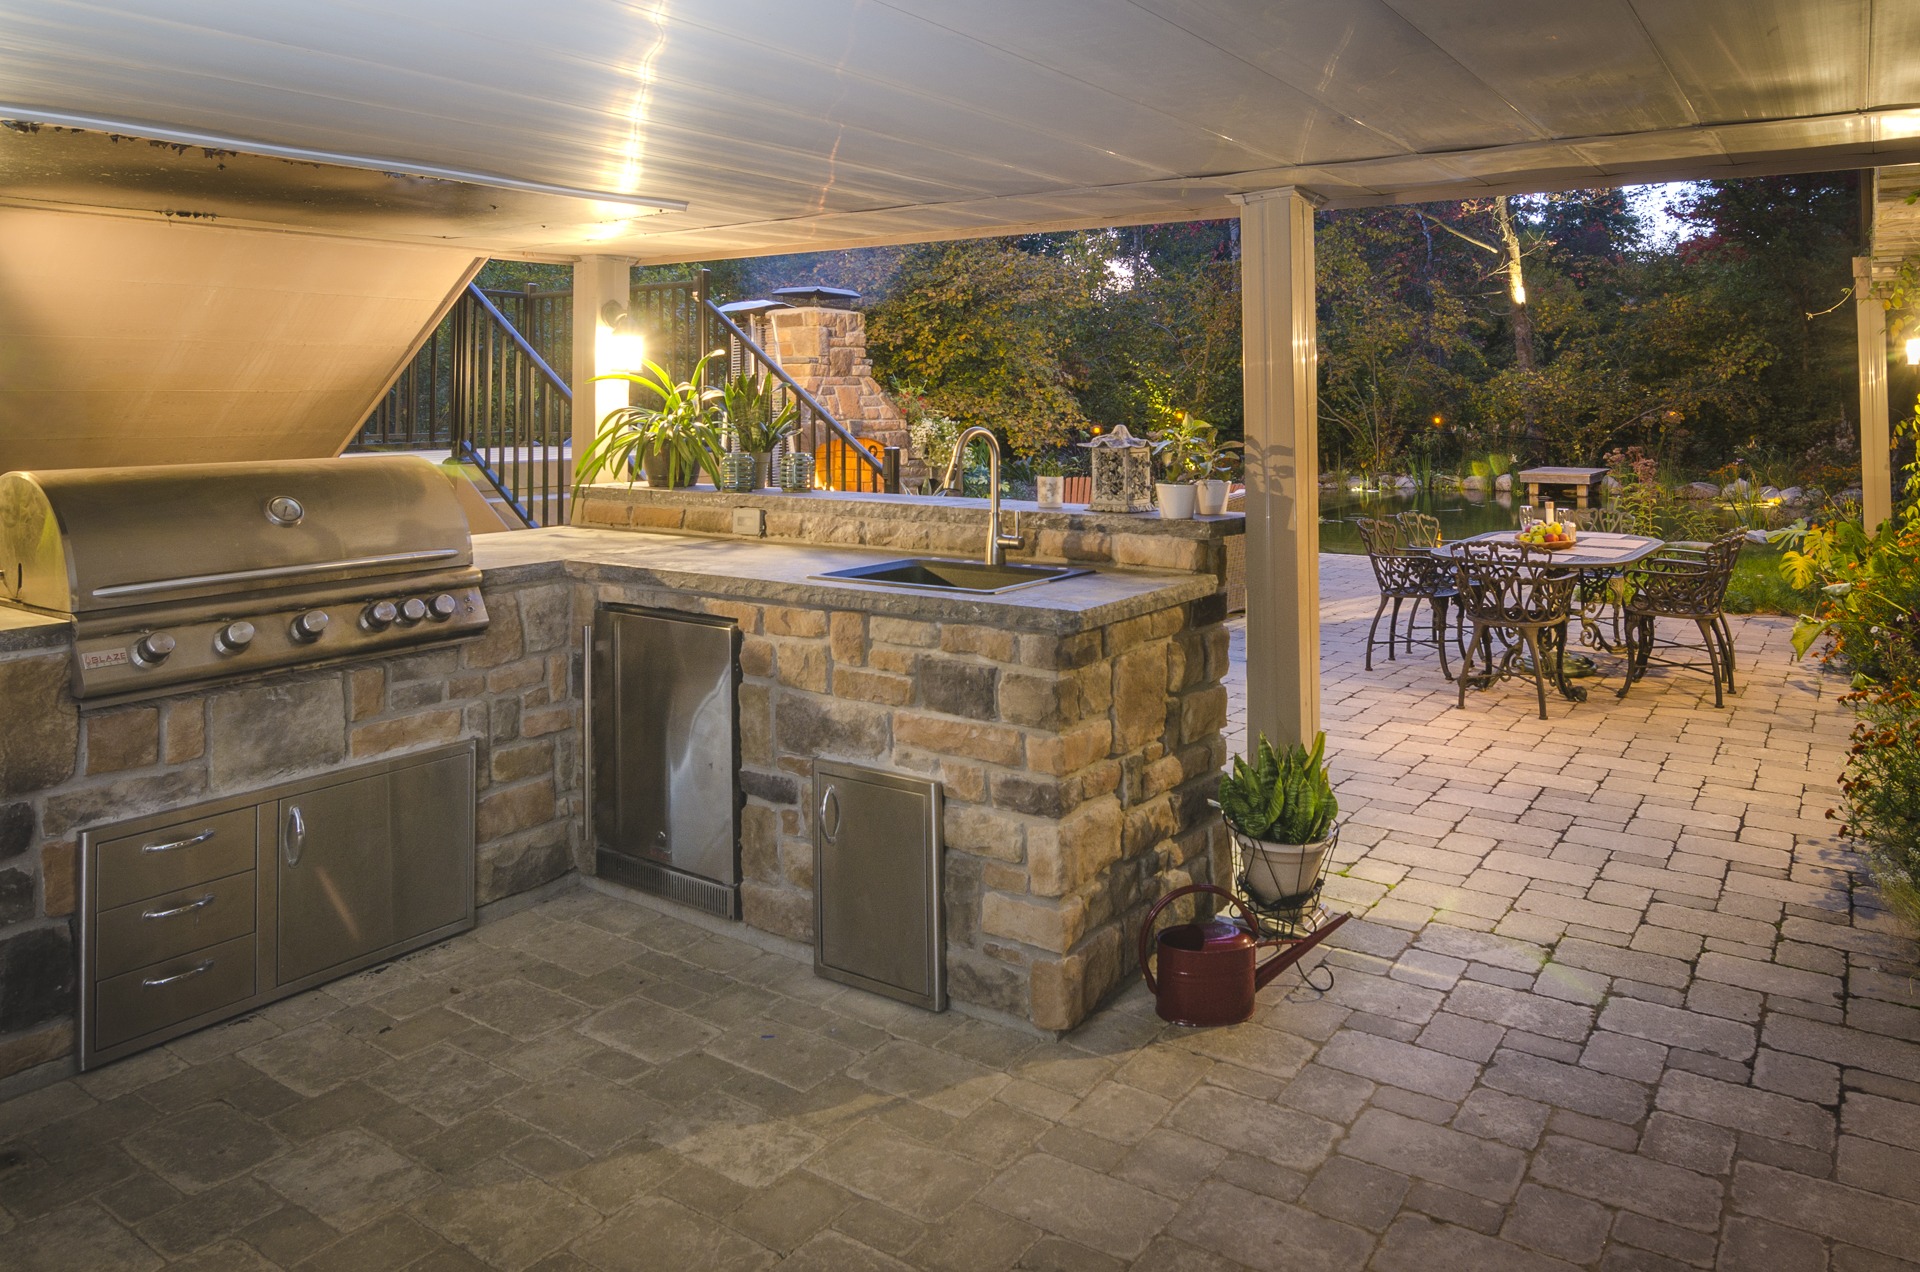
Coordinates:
(739, 472)
(1122, 472)
(796, 472)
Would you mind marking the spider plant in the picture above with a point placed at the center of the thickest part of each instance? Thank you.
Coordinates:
(671, 441)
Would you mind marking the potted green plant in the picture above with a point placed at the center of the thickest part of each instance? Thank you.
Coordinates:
(1049, 481)
(671, 442)
(757, 428)
(1215, 461)
(1281, 810)
(1178, 446)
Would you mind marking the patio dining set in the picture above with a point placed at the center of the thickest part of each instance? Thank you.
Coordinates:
(1513, 604)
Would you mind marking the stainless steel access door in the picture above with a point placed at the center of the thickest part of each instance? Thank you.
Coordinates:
(666, 757)
(879, 883)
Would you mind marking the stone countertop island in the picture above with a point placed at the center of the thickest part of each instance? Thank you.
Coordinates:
(1074, 726)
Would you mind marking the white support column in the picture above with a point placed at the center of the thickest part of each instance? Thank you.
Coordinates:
(1876, 433)
(1281, 365)
(596, 280)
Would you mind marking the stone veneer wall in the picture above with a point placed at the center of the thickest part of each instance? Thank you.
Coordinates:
(1076, 771)
(947, 527)
(513, 690)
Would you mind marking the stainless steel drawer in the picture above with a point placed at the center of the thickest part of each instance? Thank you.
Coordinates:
(168, 992)
(162, 927)
(173, 857)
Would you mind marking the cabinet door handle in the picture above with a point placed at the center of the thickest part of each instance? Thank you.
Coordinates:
(830, 804)
(295, 835)
(178, 844)
(154, 982)
(199, 903)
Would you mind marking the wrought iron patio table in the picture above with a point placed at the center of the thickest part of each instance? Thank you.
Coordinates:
(1596, 552)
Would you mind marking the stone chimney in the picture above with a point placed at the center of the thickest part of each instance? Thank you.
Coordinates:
(825, 351)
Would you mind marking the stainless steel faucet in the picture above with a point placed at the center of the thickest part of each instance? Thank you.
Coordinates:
(997, 543)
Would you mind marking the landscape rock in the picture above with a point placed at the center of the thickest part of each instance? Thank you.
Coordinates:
(1503, 482)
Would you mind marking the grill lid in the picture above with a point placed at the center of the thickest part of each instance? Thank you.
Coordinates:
(86, 540)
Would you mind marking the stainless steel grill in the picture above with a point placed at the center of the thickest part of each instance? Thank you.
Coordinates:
(175, 576)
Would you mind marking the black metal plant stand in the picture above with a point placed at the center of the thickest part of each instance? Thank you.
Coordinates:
(1300, 918)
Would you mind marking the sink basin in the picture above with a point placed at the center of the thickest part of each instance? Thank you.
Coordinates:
(941, 575)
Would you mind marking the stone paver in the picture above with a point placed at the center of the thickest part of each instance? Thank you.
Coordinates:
(1615, 998)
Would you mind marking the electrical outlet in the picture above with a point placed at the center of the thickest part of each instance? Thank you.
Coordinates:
(750, 522)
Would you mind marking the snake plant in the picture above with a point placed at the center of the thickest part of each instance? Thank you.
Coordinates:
(1283, 797)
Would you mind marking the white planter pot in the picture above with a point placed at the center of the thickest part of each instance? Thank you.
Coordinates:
(1051, 492)
(1176, 500)
(1210, 499)
(1280, 872)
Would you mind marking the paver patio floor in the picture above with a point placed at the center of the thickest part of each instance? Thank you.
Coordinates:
(1615, 1002)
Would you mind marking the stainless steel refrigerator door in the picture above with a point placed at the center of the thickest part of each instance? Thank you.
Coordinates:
(665, 752)
(879, 882)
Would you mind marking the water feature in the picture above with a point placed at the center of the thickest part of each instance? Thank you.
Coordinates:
(1460, 514)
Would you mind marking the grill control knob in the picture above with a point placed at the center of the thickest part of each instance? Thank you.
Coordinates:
(234, 637)
(444, 607)
(153, 648)
(412, 610)
(379, 614)
(310, 626)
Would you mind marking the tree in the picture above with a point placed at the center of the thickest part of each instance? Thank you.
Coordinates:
(986, 330)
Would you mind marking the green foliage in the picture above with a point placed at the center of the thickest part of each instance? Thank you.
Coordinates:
(1190, 449)
(1759, 586)
(747, 403)
(1282, 797)
(987, 328)
(684, 427)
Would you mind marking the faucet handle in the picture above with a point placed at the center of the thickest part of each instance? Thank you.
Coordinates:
(1013, 538)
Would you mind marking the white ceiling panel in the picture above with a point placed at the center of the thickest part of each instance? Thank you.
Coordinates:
(837, 122)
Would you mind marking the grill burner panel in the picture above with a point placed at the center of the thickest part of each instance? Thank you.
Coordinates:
(179, 576)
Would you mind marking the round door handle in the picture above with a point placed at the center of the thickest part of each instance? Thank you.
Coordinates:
(234, 637)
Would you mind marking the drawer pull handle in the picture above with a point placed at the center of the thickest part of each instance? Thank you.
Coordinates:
(296, 835)
(154, 982)
(200, 838)
(830, 814)
(198, 903)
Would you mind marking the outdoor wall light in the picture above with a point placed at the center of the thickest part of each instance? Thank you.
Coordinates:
(621, 347)
(1913, 351)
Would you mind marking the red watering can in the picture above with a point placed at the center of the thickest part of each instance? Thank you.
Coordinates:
(1210, 971)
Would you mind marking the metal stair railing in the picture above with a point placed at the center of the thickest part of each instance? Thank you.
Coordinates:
(841, 460)
(513, 416)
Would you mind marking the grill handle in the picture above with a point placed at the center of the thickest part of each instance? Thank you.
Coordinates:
(354, 564)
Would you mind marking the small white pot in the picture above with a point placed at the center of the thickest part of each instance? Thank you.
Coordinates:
(1279, 872)
(1211, 499)
(1051, 492)
(1176, 500)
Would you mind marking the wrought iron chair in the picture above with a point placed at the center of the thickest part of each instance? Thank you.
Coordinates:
(1683, 583)
(1602, 594)
(1405, 573)
(1512, 588)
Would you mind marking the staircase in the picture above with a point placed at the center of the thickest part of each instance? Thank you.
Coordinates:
(483, 392)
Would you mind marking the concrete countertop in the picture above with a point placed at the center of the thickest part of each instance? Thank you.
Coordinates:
(785, 574)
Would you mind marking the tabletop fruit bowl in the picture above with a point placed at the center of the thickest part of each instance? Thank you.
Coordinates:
(1552, 536)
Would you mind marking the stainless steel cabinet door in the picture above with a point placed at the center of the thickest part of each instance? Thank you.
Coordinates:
(336, 876)
(878, 881)
(372, 862)
(664, 753)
